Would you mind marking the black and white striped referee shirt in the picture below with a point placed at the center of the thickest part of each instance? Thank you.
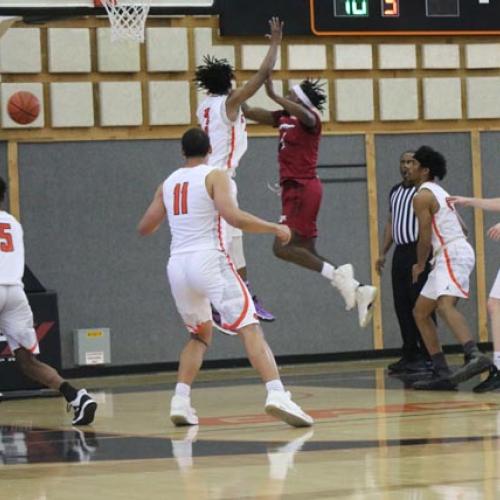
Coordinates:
(404, 222)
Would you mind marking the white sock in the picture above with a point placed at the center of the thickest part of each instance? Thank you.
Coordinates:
(275, 385)
(496, 359)
(182, 390)
(327, 271)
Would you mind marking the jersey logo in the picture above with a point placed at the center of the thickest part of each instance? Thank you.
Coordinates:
(6, 243)
(181, 198)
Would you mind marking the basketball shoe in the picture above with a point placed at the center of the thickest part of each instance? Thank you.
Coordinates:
(474, 364)
(438, 381)
(365, 297)
(343, 280)
(181, 411)
(262, 313)
(279, 404)
(84, 408)
(491, 383)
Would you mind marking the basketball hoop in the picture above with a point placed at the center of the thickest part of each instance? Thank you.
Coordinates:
(127, 18)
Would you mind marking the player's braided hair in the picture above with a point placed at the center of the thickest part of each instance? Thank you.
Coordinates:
(214, 75)
(314, 90)
(433, 160)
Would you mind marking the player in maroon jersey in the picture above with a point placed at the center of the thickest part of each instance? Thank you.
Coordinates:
(299, 124)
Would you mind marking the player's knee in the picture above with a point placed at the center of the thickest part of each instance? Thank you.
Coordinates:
(24, 358)
(280, 250)
(494, 306)
(443, 308)
(419, 314)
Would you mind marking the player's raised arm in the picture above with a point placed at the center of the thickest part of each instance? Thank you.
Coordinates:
(240, 95)
(218, 187)
(154, 215)
(305, 116)
(259, 115)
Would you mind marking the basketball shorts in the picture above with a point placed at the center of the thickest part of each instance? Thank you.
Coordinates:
(16, 319)
(451, 272)
(300, 202)
(198, 279)
(495, 290)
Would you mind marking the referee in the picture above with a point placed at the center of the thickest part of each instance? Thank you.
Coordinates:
(402, 229)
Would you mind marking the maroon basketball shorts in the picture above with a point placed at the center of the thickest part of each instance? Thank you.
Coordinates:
(300, 202)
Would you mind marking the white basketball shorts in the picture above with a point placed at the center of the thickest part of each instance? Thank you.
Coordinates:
(495, 289)
(16, 319)
(198, 279)
(451, 272)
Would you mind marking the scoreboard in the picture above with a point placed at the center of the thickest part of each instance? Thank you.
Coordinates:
(404, 17)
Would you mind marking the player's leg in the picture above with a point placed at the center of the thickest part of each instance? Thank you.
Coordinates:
(278, 401)
(17, 323)
(493, 380)
(301, 201)
(229, 294)
(194, 309)
(475, 361)
(422, 313)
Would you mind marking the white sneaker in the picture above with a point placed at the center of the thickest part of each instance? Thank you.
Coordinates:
(343, 280)
(365, 298)
(181, 411)
(280, 405)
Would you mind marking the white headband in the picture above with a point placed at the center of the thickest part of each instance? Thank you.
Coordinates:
(302, 96)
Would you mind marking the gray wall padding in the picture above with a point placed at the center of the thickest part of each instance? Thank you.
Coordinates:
(457, 150)
(490, 157)
(80, 204)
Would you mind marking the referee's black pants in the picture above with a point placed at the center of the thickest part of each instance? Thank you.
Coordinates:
(405, 295)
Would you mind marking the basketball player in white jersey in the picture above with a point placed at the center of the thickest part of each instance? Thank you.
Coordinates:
(200, 272)
(492, 204)
(441, 229)
(221, 117)
(16, 320)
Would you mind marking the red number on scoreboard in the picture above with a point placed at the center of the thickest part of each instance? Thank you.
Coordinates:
(390, 8)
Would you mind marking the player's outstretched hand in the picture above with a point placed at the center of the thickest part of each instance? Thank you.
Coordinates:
(494, 232)
(283, 233)
(458, 200)
(276, 28)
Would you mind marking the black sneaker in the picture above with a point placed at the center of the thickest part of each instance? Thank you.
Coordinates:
(437, 382)
(491, 383)
(84, 407)
(405, 365)
(398, 366)
(473, 365)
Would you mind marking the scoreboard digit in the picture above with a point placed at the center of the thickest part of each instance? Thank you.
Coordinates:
(405, 17)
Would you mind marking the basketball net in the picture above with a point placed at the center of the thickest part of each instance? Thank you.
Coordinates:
(127, 18)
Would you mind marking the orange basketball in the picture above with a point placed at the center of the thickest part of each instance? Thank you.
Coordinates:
(23, 107)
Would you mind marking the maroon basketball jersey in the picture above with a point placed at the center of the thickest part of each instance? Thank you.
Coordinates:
(298, 148)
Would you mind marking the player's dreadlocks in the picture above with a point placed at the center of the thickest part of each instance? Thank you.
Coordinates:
(314, 90)
(214, 75)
